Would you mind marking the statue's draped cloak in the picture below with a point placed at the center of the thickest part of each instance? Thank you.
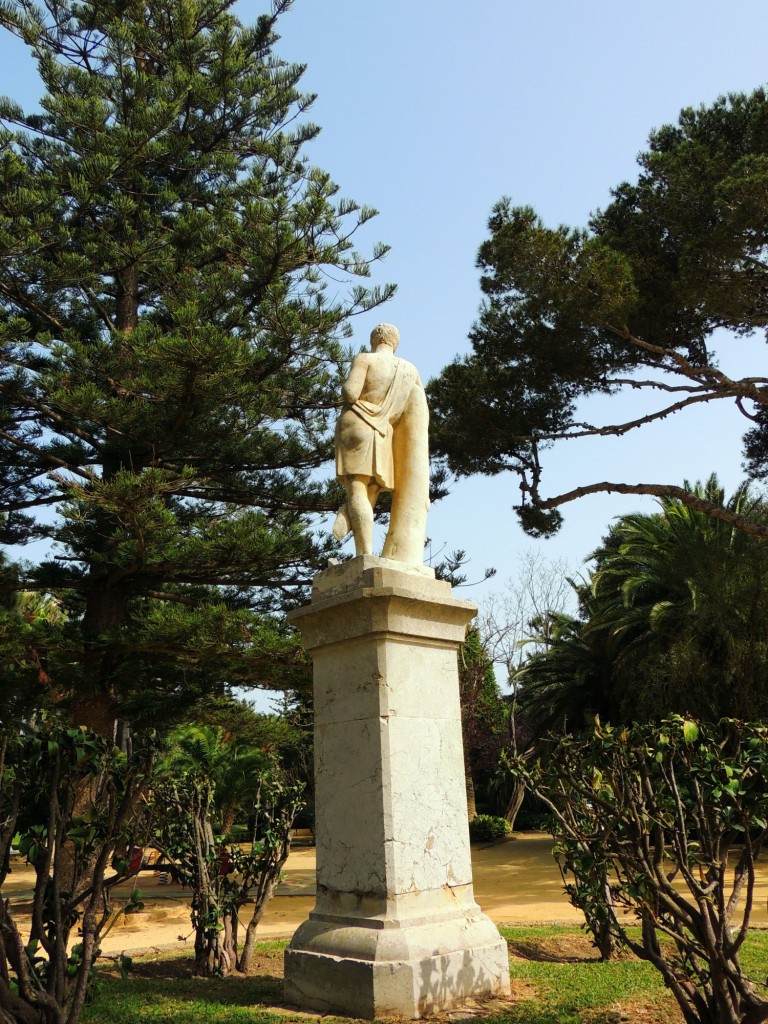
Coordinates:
(364, 430)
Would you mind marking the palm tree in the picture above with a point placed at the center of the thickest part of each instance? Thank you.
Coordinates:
(680, 601)
(563, 686)
(673, 618)
(232, 769)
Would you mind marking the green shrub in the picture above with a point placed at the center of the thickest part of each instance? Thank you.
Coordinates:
(637, 807)
(486, 827)
(70, 803)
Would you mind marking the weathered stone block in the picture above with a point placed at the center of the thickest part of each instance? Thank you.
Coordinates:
(395, 929)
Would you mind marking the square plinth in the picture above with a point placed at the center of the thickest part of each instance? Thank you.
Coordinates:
(404, 988)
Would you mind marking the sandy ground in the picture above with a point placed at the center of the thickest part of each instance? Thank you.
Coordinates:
(516, 882)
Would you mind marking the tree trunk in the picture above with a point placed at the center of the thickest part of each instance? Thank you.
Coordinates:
(94, 711)
(228, 944)
(106, 609)
(205, 956)
(127, 299)
(93, 706)
(264, 892)
(207, 948)
(600, 926)
(470, 784)
(215, 952)
(246, 956)
(515, 803)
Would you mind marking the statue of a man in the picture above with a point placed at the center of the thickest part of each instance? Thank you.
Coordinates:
(382, 445)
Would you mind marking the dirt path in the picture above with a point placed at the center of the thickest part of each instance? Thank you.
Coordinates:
(516, 882)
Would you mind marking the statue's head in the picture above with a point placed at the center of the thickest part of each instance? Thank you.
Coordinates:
(385, 334)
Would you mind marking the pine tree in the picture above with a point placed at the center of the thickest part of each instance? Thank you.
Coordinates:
(637, 302)
(170, 355)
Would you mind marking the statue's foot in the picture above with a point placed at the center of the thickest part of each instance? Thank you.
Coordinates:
(342, 525)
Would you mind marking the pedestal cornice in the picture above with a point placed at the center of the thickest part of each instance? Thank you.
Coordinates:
(370, 596)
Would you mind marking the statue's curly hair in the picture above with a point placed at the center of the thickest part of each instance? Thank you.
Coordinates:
(385, 334)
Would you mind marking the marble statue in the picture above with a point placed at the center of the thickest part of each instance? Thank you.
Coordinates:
(382, 445)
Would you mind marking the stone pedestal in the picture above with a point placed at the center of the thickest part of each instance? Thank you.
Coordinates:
(395, 930)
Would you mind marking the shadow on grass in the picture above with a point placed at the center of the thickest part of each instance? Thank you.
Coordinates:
(172, 975)
(557, 978)
(566, 949)
(539, 953)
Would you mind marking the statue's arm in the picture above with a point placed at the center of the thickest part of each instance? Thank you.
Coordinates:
(355, 382)
(414, 373)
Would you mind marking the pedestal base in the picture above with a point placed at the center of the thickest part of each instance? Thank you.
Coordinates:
(395, 930)
(412, 988)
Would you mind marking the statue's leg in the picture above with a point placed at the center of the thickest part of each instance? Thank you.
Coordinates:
(360, 511)
(342, 525)
(373, 493)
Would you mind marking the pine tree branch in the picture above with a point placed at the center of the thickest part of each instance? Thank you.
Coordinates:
(98, 307)
(618, 429)
(160, 595)
(247, 497)
(659, 491)
(64, 424)
(47, 456)
(735, 390)
(23, 301)
(238, 578)
(17, 506)
(744, 412)
(704, 375)
(660, 385)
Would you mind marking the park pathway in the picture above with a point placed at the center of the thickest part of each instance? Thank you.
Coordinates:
(516, 882)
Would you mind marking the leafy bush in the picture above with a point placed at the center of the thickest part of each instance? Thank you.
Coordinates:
(666, 822)
(71, 801)
(205, 783)
(484, 828)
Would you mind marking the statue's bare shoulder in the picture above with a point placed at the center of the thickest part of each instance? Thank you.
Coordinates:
(371, 375)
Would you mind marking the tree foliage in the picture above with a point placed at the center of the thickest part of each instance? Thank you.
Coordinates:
(484, 714)
(31, 628)
(77, 847)
(170, 352)
(634, 302)
(672, 619)
(671, 819)
(224, 812)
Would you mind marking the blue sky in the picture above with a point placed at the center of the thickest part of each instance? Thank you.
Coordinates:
(430, 111)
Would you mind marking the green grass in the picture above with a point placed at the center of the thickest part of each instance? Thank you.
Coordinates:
(583, 990)
(182, 1008)
(548, 990)
(754, 959)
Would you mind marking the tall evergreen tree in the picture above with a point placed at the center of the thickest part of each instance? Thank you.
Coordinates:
(170, 354)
